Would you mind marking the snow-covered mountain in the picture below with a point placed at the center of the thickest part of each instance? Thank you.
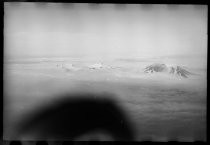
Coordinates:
(156, 67)
(172, 69)
(180, 71)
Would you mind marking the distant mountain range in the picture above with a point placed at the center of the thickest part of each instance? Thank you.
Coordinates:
(176, 70)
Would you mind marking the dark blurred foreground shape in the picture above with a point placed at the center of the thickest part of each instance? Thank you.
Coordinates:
(76, 115)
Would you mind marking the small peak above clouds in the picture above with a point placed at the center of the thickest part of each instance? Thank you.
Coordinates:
(68, 67)
(95, 66)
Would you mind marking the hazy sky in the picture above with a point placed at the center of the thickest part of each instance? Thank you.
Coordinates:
(104, 30)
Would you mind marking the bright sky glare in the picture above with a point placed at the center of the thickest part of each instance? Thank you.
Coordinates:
(84, 30)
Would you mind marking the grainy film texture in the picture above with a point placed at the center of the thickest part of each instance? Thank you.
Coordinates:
(105, 72)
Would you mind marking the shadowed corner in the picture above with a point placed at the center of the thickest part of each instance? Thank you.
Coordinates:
(76, 115)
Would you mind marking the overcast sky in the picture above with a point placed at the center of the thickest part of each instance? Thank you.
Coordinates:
(104, 30)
